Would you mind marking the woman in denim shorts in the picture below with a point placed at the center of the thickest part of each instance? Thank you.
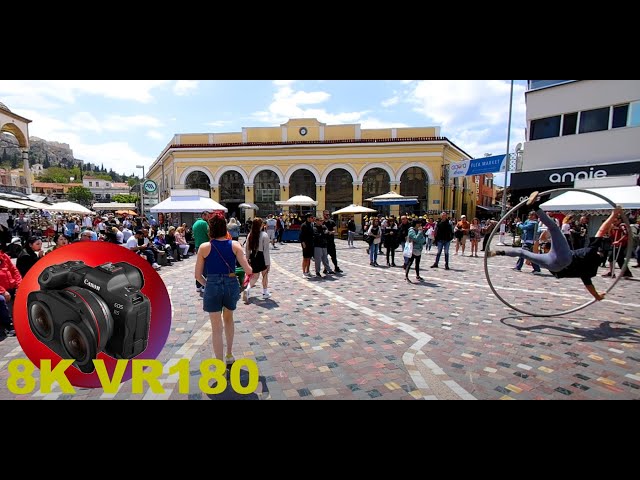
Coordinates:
(215, 269)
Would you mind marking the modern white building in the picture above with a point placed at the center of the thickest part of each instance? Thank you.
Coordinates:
(578, 129)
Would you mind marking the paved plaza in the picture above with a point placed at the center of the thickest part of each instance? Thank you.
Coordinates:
(368, 334)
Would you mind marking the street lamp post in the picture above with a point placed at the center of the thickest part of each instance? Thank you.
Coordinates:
(141, 191)
(506, 160)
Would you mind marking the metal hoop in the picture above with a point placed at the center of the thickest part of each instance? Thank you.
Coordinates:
(573, 310)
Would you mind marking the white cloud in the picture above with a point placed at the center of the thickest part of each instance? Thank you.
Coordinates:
(118, 123)
(184, 87)
(67, 91)
(390, 101)
(472, 113)
(288, 103)
(156, 135)
(116, 155)
(218, 123)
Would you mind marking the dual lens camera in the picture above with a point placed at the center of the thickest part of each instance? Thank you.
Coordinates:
(81, 311)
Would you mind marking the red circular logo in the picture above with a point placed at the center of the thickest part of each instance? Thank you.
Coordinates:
(109, 303)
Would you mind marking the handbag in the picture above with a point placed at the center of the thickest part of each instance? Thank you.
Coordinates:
(408, 250)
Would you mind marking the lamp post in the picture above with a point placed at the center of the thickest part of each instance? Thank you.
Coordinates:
(506, 159)
(141, 191)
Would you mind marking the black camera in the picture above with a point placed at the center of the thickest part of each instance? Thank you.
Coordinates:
(81, 311)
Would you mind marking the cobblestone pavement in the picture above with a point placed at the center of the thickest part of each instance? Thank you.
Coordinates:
(368, 334)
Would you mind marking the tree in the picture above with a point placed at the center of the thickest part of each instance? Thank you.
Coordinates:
(15, 161)
(80, 194)
(46, 164)
(125, 198)
(133, 181)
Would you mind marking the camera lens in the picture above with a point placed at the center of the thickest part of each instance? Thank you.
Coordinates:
(41, 320)
(75, 343)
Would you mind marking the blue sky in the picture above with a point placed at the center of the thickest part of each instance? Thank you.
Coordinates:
(123, 123)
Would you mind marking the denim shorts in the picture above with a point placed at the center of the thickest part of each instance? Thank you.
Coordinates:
(221, 291)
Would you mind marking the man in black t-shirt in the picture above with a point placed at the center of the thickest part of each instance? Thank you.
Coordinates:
(561, 261)
(306, 240)
(331, 244)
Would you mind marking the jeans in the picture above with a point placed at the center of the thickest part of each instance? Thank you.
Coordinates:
(442, 245)
(529, 248)
(410, 262)
(221, 291)
(350, 238)
(373, 252)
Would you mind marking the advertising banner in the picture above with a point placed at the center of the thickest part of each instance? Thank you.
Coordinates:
(477, 166)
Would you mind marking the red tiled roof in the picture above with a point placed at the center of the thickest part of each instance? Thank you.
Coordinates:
(55, 185)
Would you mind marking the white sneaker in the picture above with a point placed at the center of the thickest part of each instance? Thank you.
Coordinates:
(246, 294)
(156, 266)
(266, 295)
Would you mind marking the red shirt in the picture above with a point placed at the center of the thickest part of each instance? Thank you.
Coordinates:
(9, 275)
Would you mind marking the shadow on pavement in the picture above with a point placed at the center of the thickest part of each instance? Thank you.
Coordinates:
(230, 394)
(604, 331)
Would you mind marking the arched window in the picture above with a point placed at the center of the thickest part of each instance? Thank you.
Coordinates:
(339, 190)
(267, 192)
(415, 182)
(199, 180)
(302, 182)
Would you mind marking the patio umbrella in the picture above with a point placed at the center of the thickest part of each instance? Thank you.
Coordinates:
(354, 209)
(248, 206)
(298, 201)
(126, 212)
(392, 198)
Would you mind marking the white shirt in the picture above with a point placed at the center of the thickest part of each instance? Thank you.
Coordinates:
(120, 237)
(132, 242)
(126, 233)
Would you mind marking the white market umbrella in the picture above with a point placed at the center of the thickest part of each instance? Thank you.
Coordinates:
(248, 206)
(68, 207)
(392, 198)
(298, 201)
(353, 209)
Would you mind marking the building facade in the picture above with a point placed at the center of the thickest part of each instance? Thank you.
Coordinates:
(336, 165)
(578, 129)
(53, 191)
(104, 190)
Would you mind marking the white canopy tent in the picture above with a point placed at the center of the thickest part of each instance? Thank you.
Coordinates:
(628, 197)
(68, 207)
(188, 204)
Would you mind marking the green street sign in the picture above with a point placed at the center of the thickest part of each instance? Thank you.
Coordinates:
(150, 186)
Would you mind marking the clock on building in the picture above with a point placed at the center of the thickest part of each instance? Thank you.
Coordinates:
(303, 131)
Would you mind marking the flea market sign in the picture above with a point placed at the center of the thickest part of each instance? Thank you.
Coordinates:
(150, 186)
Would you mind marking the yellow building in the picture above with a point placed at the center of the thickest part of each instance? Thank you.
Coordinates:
(336, 165)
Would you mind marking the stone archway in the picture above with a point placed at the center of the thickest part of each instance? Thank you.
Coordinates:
(18, 127)
(198, 179)
(414, 181)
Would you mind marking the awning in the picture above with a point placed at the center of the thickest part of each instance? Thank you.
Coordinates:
(34, 205)
(12, 205)
(489, 209)
(393, 198)
(113, 206)
(627, 197)
(188, 204)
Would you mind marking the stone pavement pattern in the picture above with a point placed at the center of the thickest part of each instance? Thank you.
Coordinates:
(367, 334)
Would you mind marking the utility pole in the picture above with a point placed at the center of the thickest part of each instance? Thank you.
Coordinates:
(506, 160)
(141, 191)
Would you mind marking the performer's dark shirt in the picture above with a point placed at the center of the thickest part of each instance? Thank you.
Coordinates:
(585, 263)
